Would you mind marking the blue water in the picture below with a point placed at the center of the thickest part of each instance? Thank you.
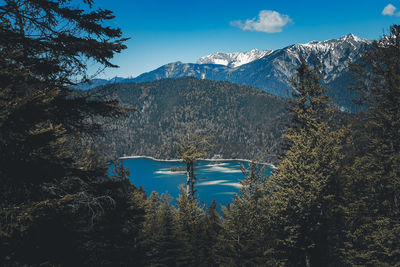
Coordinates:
(217, 181)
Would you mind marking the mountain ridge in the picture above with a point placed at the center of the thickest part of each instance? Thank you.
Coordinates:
(235, 59)
(273, 71)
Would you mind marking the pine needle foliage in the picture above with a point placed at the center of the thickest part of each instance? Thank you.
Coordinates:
(305, 190)
(374, 172)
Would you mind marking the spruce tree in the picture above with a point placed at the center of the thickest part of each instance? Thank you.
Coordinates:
(244, 239)
(209, 238)
(191, 150)
(44, 48)
(305, 192)
(374, 172)
(58, 207)
(189, 221)
(159, 239)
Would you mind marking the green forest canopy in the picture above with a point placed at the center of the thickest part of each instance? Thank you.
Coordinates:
(332, 202)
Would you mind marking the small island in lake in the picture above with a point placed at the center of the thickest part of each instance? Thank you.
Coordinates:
(177, 169)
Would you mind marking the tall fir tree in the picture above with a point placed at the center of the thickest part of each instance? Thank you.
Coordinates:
(305, 192)
(159, 239)
(44, 47)
(58, 207)
(245, 236)
(374, 172)
(191, 150)
(189, 220)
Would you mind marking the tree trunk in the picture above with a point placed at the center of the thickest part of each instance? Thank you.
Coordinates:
(192, 181)
(307, 259)
(189, 180)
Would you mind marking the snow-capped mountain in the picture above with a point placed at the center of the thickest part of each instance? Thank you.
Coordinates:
(272, 73)
(333, 55)
(233, 59)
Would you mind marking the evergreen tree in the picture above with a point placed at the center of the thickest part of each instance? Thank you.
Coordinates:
(58, 207)
(159, 241)
(212, 228)
(305, 193)
(44, 46)
(244, 238)
(181, 236)
(374, 173)
(190, 150)
(189, 220)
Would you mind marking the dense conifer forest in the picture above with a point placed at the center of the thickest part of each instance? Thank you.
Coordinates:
(333, 200)
(246, 122)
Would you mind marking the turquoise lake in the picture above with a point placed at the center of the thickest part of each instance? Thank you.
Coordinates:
(216, 180)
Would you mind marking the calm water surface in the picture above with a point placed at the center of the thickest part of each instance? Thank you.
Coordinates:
(217, 181)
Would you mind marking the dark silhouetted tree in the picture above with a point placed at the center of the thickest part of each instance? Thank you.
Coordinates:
(58, 207)
(374, 173)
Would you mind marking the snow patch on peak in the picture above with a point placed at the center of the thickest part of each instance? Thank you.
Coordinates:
(333, 55)
(234, 60)
(352, 37)
(328, 44)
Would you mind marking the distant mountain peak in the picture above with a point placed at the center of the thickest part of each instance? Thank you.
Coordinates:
(234, 60)
(272, 70)
(351, 36)
(175, 63)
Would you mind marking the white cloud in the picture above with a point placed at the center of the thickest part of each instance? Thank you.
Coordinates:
(389, 10)
(268, 21)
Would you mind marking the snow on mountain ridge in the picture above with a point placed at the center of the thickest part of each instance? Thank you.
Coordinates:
(237, 59)
(350, 38)
(234, 59)
(333, 54)
(272, 71)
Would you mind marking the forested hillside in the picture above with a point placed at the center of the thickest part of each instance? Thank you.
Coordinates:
(332, 201)
(246, 122)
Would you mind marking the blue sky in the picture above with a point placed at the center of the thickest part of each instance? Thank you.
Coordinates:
(164, 31)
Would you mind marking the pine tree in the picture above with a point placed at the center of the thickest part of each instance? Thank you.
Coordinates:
(374, 172)
(192, 149)
(189, 221)
(245, 237)
(305, 192)
(159, 239)
(44, 46)
(211, 230)
(47, 187)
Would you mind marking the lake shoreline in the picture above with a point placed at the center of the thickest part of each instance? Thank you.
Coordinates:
(178, 160)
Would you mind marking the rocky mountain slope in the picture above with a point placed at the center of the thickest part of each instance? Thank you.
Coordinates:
(233, 60)
(272, 73)
(269, 70)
